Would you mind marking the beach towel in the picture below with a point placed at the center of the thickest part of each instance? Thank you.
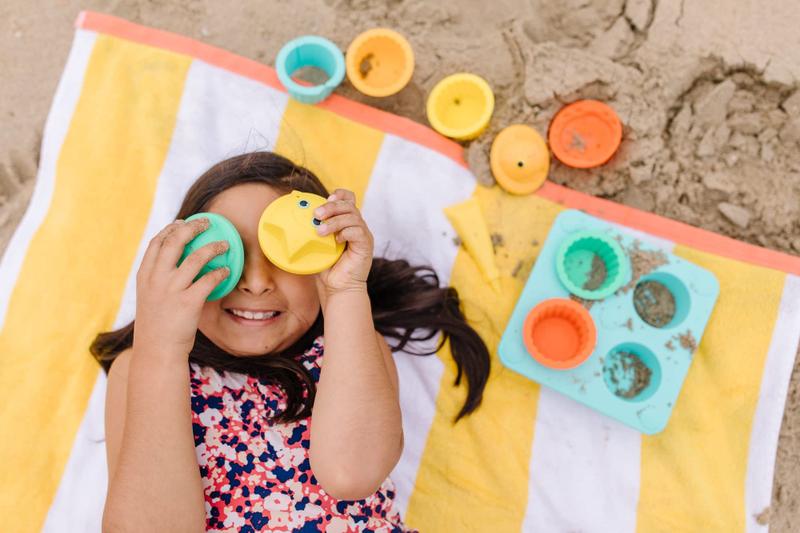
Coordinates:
(140, 113)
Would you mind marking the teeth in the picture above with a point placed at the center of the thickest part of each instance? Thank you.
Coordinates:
(254, 316)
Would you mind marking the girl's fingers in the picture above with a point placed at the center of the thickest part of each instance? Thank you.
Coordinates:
(338, 223)
(353, 234)
(344, 195)
(175, 241)
(153, 247)
(195, 262)
(333, 208)
(201, 288)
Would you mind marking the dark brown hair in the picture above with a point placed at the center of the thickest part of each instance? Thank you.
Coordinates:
(407, 302)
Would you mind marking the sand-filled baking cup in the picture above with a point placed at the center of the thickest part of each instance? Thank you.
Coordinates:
(519, 159)
(219, 229)
(585, 134)
(379, 62)
(631, 371)
(287, 234)
(559, 333)
(460, 106)
(592, 265)
(310, 51)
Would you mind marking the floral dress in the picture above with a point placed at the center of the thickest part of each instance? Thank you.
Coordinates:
(256, 472)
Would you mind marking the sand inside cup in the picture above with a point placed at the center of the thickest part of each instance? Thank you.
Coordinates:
(592, 266)
(311, 75)
(626, 374)
(654, 303)
(597, 274)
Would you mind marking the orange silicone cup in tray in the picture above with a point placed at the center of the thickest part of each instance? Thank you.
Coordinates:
(639, 359)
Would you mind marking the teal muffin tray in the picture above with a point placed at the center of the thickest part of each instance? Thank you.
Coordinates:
(647, 329)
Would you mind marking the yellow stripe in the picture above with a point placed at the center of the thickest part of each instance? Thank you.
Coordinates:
(693, 474)
(474, 476)
(339, 151)
(74, 274)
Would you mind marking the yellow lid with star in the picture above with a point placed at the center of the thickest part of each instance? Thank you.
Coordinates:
(287, 234)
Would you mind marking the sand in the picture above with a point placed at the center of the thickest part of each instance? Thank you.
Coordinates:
(708, 93)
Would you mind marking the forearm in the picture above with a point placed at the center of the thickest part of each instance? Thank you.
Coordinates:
(156, 485)
(356, 432)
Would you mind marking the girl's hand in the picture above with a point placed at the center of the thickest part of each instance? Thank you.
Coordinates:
(341, 216)
(168, 302)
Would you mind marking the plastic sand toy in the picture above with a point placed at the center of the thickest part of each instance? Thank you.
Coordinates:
(314, 52)
(647, 328)
(287, 234)
(219, 229)
(460, 106)
(519, 159)
(559, 333)
(592, 265)
(585, 134)
(469, 223)
(379, 62)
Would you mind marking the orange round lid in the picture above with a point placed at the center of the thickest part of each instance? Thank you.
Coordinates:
(519, 159)
(585, 134)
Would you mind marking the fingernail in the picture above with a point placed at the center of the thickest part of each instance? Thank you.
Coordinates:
(331, 197)
(318, 212)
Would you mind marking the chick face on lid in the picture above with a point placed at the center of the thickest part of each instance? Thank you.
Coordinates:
(287, 234)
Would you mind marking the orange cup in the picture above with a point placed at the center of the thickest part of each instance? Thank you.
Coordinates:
(559, 333)
(585, 134)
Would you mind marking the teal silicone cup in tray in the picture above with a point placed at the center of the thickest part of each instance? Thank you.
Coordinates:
(638, 367)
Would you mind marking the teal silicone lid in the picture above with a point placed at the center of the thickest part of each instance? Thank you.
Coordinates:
(219, 229)
(592, 265)
(310, 51)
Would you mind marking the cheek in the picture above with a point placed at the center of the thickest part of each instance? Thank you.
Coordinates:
(301, 291)
(211, 313)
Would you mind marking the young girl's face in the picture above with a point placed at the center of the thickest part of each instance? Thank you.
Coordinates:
(236, 322)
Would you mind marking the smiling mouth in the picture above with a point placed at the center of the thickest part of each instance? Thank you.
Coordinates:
(253, 316)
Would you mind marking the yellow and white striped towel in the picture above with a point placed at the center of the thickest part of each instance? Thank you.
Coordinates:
(140, 113)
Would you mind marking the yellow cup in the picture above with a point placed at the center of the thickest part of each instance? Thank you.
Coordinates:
(379, 62)
(460, 106)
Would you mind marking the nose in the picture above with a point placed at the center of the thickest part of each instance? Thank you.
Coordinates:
(258, 274)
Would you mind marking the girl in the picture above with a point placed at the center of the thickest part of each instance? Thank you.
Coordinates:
(209, 404)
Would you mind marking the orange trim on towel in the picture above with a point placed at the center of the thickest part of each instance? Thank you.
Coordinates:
(380, 120)
(669, 229)
(422, 135)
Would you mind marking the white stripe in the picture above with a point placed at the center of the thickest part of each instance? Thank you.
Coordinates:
(78, 504)
(403, 205)
(403, 208)
(55, 129)
(584, 471)
(221, 115)
(769, 410)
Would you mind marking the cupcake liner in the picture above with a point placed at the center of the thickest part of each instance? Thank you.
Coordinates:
(575, 261)
(559, 333)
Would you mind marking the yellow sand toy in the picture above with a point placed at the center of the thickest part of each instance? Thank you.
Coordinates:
(287, 234)
(519, 159)
(460, 106)
(379, 62)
